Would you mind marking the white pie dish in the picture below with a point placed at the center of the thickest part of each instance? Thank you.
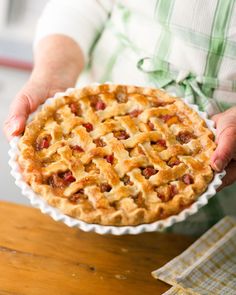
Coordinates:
(38, 202)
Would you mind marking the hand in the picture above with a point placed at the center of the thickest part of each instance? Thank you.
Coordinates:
(33, 94)
(225, 154)
(58, 62)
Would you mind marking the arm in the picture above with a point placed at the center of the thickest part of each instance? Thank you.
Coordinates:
(58, 62)
(58, 57)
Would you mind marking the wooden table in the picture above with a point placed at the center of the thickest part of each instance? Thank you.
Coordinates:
(41, 256)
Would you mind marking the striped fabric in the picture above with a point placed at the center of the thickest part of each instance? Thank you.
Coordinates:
(208, 266)
(185, 46)
(166, 69)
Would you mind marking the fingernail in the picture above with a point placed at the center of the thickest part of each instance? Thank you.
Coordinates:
(14, 127)
(219, 164)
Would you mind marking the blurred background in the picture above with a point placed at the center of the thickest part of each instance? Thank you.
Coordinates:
(18, 19)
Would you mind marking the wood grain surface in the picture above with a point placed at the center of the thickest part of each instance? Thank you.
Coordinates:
(41, 256)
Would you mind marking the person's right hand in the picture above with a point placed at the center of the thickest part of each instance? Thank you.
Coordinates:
(58, 62)
(33, 93)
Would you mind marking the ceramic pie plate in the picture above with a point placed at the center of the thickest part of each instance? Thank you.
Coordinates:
(160, 225)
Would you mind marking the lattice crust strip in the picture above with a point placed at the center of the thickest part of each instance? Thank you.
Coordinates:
(116, 154)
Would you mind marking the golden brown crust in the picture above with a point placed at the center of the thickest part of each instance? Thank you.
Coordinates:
(117, 155)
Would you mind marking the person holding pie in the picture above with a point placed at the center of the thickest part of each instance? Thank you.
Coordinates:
(182, 46)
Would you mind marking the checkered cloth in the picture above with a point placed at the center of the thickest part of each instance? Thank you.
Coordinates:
(206, 267)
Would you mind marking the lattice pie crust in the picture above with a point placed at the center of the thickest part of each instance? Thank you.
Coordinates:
(117, 155)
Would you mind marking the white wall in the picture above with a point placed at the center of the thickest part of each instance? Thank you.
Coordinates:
(17, 25)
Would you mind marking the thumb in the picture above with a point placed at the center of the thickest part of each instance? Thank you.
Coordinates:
(26, 102)
(226, 139)
(230, 176)
(21, 107)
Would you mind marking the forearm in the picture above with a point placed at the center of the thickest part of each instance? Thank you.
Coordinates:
(57, 59)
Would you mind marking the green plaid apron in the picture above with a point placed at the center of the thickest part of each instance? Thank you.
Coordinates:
(204, 31)
(196, 90)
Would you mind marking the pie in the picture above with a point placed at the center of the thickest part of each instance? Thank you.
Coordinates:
(117, 155)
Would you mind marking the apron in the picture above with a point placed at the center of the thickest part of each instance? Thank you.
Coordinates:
(196, 89)
(194, 55)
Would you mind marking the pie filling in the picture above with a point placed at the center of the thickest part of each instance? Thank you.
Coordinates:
(119, 155)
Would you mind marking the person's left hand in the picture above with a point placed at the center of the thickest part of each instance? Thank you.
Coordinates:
(225, 154)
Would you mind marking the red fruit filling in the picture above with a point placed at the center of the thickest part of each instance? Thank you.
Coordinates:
(100, 105)
(187, 179)
(185, 136)
(109, 158)
(99, 142)
(77, 148)
(135, 113)
(88, 126)
(75, 109)
(43, 143)
(148, 172)
(105, 187)
(121, 134)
